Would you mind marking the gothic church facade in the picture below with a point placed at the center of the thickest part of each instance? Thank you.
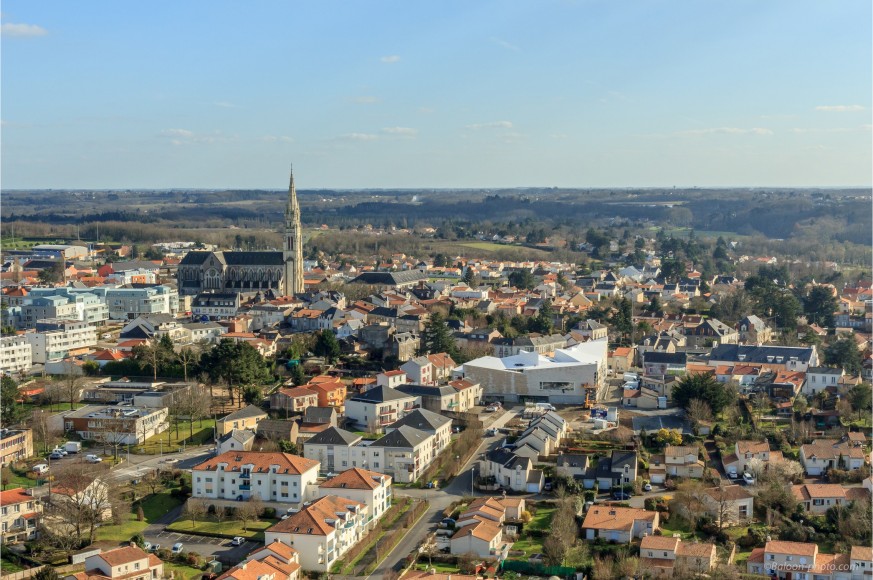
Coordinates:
(249, 272)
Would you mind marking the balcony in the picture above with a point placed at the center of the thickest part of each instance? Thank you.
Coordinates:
(245, 487)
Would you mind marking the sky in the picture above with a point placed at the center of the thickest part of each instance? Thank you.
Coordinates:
(379, 94)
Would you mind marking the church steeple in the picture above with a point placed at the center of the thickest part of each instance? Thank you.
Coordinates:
(292, 250)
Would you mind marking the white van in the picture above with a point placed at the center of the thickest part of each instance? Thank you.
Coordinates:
(546, 406)
(40, 468)
(631, 377)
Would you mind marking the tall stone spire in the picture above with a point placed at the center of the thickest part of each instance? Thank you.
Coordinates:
(292, 252)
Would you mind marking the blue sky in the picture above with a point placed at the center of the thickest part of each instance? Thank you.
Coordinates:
(205, 94)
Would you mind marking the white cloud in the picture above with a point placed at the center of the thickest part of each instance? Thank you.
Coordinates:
(727, 131)
(839, 108)
(177, 133)
(502, 43)
(22, 30)
(492, 125)
(359, 137)
(390, 59)
(277, 139)
(366, 100)
(400, 131)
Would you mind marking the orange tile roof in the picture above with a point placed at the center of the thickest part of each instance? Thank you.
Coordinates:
(483, 529)
(757, 556)
(462, 384)
(277, 547)
(809, 491)
(124, 555)
(356, 478)
(311, 520)
(13, 496)
(728, 493)
(791, 548)
(298, 392)
(394, 373)
(696, 550)
(615, 518)
(659, 543)
(260, 462)
(864, 553)
(744, 447)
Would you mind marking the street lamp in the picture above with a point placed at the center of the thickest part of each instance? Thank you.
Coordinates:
(472, 478)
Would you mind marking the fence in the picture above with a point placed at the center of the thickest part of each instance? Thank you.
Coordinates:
(22, 574)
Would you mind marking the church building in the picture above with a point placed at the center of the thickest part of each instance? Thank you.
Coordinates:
(249, 272)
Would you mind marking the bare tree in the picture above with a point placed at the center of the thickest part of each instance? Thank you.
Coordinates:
(602, 568)
(688, 501)
(53, 392)
(151, 354)
(249, 511)
(699, 411)
(194, 402)
(188, 357)
(153, 481)
(114, 431)
(195, 509)
(80, 501)
(42, 432)
(72, 386)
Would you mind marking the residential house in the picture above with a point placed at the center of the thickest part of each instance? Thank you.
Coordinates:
(215, 305)
(621, 359)
(331, 392)
(442, 367)
(404, 453)
(620, 468)
(15, 445)
(817, 498)
(618, 524)
(669, 556)
(823, 454)
(469, 394)
(479, 530)
(433, 423)
(511, 471)
(392, 379)
(784, 560)
(419, 370)
(683, 461)
(592, 330)
(366, 487)
(378, 407)
(236, 440)
(753, 330)
(744, 452)
(332, 448)
(710, 332)
(125, 563)
(323, 531)
(245, 418)
(294, 399)
(320, 416)
(728, 504)
(434, 398)
(659, 363)
(819, 378)
(572, 465)
(239, 475)
(275, 561)
(20, 513)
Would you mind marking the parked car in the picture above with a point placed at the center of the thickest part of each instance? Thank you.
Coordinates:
(177, 548)
(647, 487)
(621, 496)
(40, 468)
(732, 473)
(147, 546)
(60, 450)
(490, 432)
(748, 479)
(548, 486)
(55, 455)
(93, 458)
(448, 523)
(154, 547)
(238, 541)
(490, 409)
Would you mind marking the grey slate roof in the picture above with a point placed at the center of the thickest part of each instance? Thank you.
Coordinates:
(380, 394)
(759, 354)
(825, 370)
(421, 419)
(426, 390)
(404, 437)
(676, 358)
(390, 278)
(333, 436)
(245, 412)
(318, 414)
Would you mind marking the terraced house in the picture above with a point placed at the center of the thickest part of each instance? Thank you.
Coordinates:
(19, 515)
(240, 475)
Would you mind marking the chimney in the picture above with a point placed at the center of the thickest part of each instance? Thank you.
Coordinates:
(132, 544)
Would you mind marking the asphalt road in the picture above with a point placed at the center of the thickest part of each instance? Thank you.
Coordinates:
(439, 500)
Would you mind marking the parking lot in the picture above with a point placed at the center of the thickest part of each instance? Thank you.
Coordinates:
(203, 545)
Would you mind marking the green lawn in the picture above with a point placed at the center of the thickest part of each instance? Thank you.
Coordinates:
(19, 480)
(529, 546)
(153, 507)
(440, 567)
(676, 525)
(542, 519)
(225, 529)
(172, 439)
(182, 572)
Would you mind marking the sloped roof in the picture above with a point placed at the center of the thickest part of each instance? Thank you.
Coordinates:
(260, 462)
(333, 436)
(355, 478)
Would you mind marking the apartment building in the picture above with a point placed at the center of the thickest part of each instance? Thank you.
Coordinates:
(275, 561)
(128, 303)
(70, 303)
(15, 445)
(379, 407)
(19, 515)
(367, 487)
(16, 355)
(294, 399)
(322, 531)
(56, 339)
(332, 448)
(240, 475)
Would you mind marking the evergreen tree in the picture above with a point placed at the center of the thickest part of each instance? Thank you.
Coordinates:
(819, 305)
(844, 353)
(11, 411)
(327, 346)
(706, 388)
(236, 363)
(437, 337)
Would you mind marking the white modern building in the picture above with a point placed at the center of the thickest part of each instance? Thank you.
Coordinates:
(56, 339)
(367, 487)
(16, 355)
(565, 378)
(70, 303)
(128, 303)
(240, 475)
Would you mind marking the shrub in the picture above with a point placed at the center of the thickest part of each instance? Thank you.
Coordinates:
(139, 540)
(140, 515)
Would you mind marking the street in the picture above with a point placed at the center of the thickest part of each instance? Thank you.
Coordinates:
(439, 500)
